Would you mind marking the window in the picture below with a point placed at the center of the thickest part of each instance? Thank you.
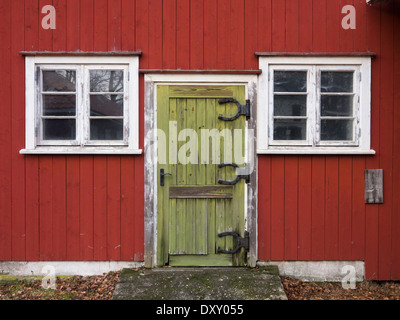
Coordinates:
(314, 105)
(81, 105)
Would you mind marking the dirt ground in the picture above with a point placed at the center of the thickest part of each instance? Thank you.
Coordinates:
(367, 290)
(67, 288)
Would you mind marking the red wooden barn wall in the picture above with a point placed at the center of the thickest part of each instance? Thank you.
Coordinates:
(91, 207)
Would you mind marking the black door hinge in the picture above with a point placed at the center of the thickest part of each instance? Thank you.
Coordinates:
(241, 242)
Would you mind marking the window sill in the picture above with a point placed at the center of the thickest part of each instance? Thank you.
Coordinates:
(320, 151)
(79, 150)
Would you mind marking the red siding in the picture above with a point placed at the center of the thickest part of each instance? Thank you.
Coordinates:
(91, 207)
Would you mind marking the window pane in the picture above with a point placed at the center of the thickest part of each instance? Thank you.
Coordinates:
(106, 129)
(290, 105)
(106, 81)
(290, 129)
(290, 81)
(107, 105)
(336, 130)
(63, 129)
(337, 81)
(59, 81)
(336, 106)
(60, 105)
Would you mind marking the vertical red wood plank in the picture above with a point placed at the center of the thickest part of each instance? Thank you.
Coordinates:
(114, 25)
(18, 130)
(306, 26)
(100, 162)
(331, 209)
(86, 217)
(100, 207)
(196, 34)
(318, 208)
(142, 31)
(358, 210)
(128, 209)
(304, 209)
(237, 34)
(346, 35)
(250, 35)
(114, 207)
(264, 208)
(182, 34)
(291, 206)
(155, 34)
(346, 190)
(128, 25)
(386, 141)
(210, 34)
(59, 208)
(396, 154)
(59, 162)
(319, 25)
(292, 25)
(73, 199)
(333, 26)
(360, 34)
(169, 34)
(278, 208)
(372, 211)
(32, 162)
(278, 26)
(264, 25)
(5, 133)
(224, 41)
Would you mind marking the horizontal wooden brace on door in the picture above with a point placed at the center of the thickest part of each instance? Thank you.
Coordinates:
(197, 192)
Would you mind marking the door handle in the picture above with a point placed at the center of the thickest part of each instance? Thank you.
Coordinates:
(162, 175)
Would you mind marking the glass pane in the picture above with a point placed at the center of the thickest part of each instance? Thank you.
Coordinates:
(336, 130)
(290, 105)
(63, 129)
(60, 105)
(336, 106)
(290, 81)
(59, 80)
(106, 81)
(337, 81)
(107, 105)
(290, 129)
(106, 129)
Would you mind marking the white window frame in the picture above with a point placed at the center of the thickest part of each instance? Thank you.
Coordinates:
(314, 65)
(82, 145)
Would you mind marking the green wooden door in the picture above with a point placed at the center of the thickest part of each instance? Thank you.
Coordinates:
(192, 207)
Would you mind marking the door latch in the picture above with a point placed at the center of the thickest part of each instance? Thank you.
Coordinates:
(241, 242)
(243, 110)
(162, 175)
(238, 177)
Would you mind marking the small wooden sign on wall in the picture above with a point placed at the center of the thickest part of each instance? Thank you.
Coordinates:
(374, 186)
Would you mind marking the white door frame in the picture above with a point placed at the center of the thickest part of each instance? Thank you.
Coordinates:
(250, 82)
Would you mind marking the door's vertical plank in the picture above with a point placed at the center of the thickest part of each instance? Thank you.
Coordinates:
(396, 153)
(277, 208)
(86, 163)
(237, 34)
(224, 42)
(196, 34)
(32, 162)
(182, 34)
(210, 34)
(291, 205)
(304, 209)
(155, 34)
(372, 211)
(331, 208)
(318, 208)
(5, 134)
(386, 140)
(17, 133)
(169, 34)
(346, 191)
(59, 197)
